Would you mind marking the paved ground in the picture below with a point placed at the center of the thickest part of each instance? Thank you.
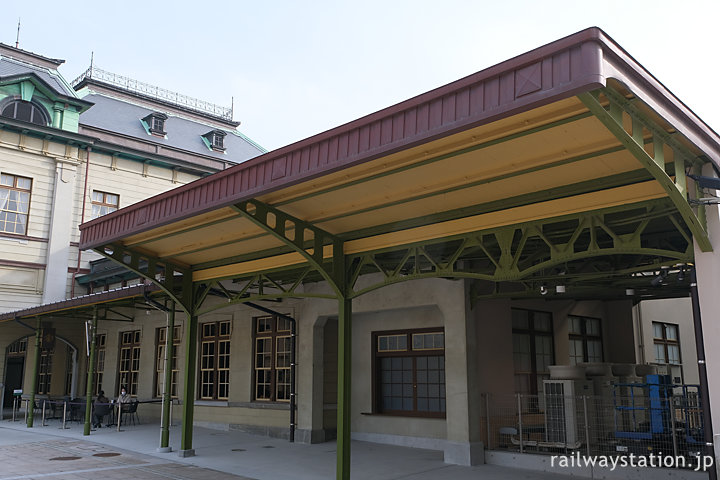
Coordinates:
(51, 453)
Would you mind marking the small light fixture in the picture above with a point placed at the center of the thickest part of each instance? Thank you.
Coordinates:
(560, 289)
(543, 289)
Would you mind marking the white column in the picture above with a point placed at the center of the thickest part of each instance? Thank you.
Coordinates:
(707, 265)
(58, 250)
(463, 445)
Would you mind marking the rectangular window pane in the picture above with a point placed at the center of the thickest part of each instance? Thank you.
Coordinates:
(130, 360)
(520, 319)
(215, 361)
(392, 343)
(14, 204)
(414, 382)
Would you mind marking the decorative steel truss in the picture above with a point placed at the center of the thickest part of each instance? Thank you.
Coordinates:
(173, 279)
(616, 241)
(624, 118)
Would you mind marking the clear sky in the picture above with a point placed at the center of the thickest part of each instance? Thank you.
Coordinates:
(298, 68)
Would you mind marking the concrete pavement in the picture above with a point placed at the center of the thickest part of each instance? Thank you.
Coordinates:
(52, 453)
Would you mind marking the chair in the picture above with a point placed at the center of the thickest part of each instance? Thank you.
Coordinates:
(130, 410)
(100, 411)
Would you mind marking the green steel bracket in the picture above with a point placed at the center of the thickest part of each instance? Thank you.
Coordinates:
(612, 118)
(303, 237)
(641, 236)
(174, 280)
(261, 286)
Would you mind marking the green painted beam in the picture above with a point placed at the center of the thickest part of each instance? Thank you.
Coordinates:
(344, 387)
(191, 337)
(186, 436)
(167, 386)
(635, 145)
(301, 236)
(130, 259)
(90, 373)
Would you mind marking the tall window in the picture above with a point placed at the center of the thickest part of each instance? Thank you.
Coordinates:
(667, 343)
(533, 349)
(68, 369)
(14, 203)
(100, 340)
(44, 372)
(130, 360)
(161, 343)
(215, 361)
(272, 359)
(104, 203)
(25, 111)
(410, 372)
(585, 340)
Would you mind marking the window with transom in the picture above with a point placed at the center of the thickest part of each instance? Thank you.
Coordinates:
(272, 358)
(410, 372)
(667, 343)
(100, 341)
(44, 372)
(14, 203)
(533, 349)
(215, 360)
(130, 361)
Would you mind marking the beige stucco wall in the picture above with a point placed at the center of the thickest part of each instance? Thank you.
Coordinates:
(677, 311)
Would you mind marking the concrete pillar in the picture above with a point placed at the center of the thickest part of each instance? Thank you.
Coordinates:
(707, 266)
(463, 445)
(310, 374)
(61, 225)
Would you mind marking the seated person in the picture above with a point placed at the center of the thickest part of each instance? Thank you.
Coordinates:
(101, 407)
(124, 397)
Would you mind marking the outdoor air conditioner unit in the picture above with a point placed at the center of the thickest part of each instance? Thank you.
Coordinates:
(563, 411)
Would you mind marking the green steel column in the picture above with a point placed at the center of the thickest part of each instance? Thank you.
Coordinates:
(344, 375)
(167, 390)
(189, 382)
(90, 373)
(33, 383)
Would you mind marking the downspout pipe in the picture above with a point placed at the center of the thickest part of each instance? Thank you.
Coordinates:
(702, 370)
(293, 364)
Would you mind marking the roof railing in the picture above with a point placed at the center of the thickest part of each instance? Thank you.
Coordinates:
(153, 91)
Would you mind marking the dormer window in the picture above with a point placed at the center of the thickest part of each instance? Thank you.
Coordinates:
(25, 111)
(155, 123)
(215, 140)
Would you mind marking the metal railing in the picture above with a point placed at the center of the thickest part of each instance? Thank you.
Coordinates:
(153, 91)
(618, 424)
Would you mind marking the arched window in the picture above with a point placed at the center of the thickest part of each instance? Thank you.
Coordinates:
(25, 111)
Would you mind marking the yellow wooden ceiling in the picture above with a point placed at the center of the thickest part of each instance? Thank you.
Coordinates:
(384, 202)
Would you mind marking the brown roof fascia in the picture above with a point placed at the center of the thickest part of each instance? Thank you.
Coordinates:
(29, 57)
(79, 302)
(558, 70)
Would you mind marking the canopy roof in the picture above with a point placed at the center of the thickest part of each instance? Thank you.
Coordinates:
(568, 152)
